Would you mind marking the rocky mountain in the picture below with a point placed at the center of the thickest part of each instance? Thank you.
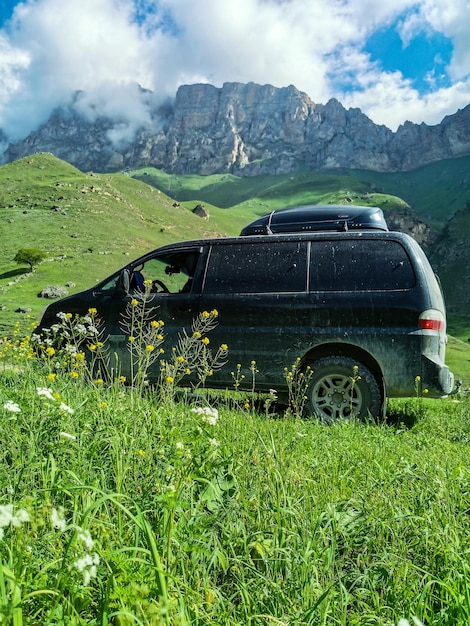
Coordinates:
(244, 129)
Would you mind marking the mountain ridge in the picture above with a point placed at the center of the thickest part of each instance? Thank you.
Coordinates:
(244, 129)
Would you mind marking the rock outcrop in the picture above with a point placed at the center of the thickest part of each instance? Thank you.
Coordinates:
(244, 129)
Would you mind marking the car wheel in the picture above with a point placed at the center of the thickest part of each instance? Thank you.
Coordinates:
(337, 390)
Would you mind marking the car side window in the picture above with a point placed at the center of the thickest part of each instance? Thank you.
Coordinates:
(257, 268)
(360, 265)
(172, 272)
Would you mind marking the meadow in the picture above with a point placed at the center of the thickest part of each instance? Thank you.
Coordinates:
(127, 505)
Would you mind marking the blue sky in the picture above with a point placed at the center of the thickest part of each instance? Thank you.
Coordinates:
(396, 60)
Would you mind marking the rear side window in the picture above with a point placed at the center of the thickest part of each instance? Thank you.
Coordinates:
(257, 268)
(360, 265)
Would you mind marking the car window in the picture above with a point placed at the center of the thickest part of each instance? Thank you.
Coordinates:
(174, 270)
(360, 265)
(257, 268)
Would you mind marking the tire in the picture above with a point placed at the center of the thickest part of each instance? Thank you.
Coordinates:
(336, 392)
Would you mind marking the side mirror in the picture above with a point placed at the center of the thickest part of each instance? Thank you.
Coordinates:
(122, 287)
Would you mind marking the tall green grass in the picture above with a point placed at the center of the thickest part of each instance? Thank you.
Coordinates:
(119, 506)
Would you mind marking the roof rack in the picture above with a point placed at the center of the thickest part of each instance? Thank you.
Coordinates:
(318, 217)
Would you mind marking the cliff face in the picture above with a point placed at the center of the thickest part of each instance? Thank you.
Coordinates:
(245, 129)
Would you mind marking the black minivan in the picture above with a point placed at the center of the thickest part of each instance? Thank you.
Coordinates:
(326, 287)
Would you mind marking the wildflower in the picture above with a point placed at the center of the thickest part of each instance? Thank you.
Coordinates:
(87, 566)
(58, 520)
(65, 435)
(11, 406)
(214, 442)
(214, 313)
(418, 379)
(99, 381)
(197, 334)
(179, 445)
(160, 337)
(148, 282)
(170, 380)
(51, 377)
(103, 404)
(154, 324)
(209, 415)
(205, 341)
(150, 348)
(134, 302)
(84, 535)
(92, 311)
(180, 359)
(7, 517)
(405, 622)
(92, 347)
(50, 351)
(74, 374)
(224, 347)
(205, 314)
(131, 338)
(66, 409)
(45, 392)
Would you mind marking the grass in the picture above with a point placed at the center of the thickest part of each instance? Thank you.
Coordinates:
(121, 506)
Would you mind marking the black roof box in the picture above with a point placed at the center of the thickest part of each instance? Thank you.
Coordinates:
(318, 217)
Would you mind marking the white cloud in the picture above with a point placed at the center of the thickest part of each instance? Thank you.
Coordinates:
(53, 47)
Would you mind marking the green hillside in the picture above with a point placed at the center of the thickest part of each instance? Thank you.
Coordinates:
(88, 224)
(435, 191)
(91, 224)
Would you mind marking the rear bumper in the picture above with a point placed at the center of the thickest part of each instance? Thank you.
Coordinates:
(436, 377)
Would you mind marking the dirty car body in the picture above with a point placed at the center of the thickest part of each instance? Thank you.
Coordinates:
(330, 300)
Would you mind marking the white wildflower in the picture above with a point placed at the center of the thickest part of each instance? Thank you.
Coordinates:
(405, 622)
(209, 415)
(85, 536)
(87, 566)
(57, 519)
(214, 442)
(12, 407)
(45, 392)
(62, 316)
(179, 445)
(7, 517)
(65, 435)
(65, 408)
(6, 513)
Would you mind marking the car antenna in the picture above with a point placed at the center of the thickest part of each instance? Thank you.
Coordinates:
(268, 225)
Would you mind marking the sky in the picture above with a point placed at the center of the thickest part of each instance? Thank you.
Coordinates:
(396, 60)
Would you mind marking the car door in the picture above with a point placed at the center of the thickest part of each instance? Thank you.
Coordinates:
(257, 288)
(169, 296)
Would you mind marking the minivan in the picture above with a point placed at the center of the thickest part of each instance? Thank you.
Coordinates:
(327, 288)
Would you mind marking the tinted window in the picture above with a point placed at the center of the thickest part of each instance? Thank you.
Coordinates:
(365, 265)
(257, 268)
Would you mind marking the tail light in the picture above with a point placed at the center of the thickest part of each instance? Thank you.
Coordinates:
(432, 319)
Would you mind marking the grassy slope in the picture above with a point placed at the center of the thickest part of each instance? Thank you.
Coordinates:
(104, 220)
(435, 191)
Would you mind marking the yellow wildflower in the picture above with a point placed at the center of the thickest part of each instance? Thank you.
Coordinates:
(134, 302)
(50, 351)
(150, 348)
(205, 341)
(92, 311)
(51, 377)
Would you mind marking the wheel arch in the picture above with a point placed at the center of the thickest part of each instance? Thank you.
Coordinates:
(351, 351)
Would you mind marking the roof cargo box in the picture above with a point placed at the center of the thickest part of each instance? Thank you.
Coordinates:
(318, 217)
